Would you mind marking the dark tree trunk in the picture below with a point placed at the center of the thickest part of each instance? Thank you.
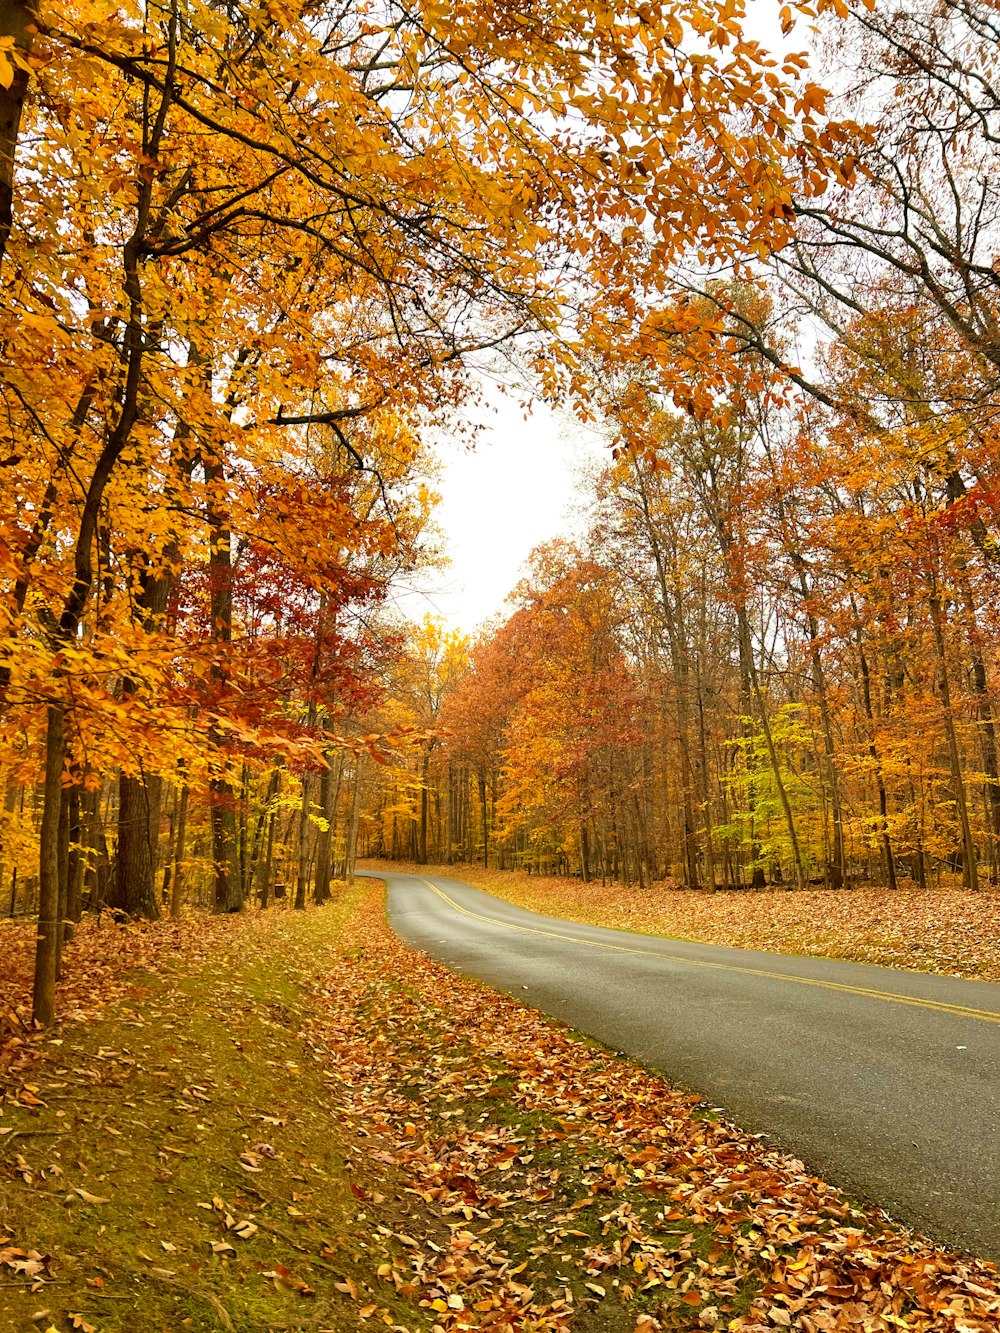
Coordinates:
(180, 838)
(47, 944)
(223, 819)
(302, 876)
(138, 834)
(350, 854)
(63, 854)
(75, 866)
(264, 820)
(228, 895)
(265, 891)
(889, 859)
(422, 846)
(9, 803)
(329, 791)
(15, 22)
(486, 829)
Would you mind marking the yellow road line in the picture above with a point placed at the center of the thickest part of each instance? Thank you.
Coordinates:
(957, 1010)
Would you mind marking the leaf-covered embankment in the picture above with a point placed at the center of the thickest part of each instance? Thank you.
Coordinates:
(948, 931)
(310, 1126)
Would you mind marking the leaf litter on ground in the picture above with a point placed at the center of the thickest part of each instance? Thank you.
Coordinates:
(303, 1124)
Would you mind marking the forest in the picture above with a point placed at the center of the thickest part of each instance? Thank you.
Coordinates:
(627, 963)
(771, 656)
(251, 255)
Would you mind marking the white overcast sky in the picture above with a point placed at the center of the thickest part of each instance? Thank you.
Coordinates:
(521, 482)
(515, 489)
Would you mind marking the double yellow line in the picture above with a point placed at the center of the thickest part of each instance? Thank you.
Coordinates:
(893, 997)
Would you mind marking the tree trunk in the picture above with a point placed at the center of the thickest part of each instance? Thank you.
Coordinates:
(63, 854)
(883, 800)
(180, 839)
(449, 830)
(302, 876)
(264, 819)
(987, 731)
(838, 865)
(786, 806)
(265, 892)
(425, 763)
(706, 791)
(16, 21)
(90, 814)
(223, 821)
(75, 860)
(133, 349)
(329, 797)
(138, 835)
(970, 870)
(486, 832)
(9, 803)
(47, 943)
(350, 853)
(228, 895)
(242, 832)
(321, 888)
(673, 621)
(757, 879)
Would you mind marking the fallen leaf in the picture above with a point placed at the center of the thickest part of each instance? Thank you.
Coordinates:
(87, 1197)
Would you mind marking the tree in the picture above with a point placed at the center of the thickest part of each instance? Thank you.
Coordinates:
(248, 254)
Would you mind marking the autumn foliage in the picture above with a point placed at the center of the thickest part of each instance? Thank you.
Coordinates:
(247, 257)
(247, 254)
(770, 654)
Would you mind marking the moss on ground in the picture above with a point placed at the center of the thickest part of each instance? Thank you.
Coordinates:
(183, 1163)
(186, 1169)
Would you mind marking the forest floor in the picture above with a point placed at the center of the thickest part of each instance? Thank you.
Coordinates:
(949, 930)
(290, 1121)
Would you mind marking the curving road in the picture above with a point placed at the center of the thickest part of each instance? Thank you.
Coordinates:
(885, 1082)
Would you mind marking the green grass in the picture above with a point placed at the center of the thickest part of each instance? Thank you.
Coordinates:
(192, 1109)
(232, 1193)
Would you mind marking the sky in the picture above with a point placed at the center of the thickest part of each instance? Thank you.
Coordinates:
(516, 488)
(521, 483)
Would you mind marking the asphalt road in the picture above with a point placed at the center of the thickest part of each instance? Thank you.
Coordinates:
(885, 1082)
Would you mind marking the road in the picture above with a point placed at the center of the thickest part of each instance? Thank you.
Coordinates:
(885, 1082)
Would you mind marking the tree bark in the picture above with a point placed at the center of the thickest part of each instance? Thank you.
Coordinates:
(47, 943)
(180, 839)
(62, 632)
(302, 876)
(228, 895)
(9, 802)
(673, 621)
(16, 20)
(424, 778)
(883, 800)
(138, 835)
(987, 727)
(970, 869)
(772, 753)
(265, 892)
(351, 851)
(486, 831)
(329, 801)
(263, 820)
(75, 861)
(838, 865)
(65, 926)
